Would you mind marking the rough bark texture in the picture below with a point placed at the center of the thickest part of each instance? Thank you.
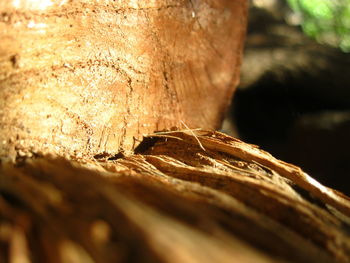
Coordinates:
(190, 196)
(93, 76)
(85, 80)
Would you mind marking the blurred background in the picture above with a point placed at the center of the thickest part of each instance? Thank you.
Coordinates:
(294, 96)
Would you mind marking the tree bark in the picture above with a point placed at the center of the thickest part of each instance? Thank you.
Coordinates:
(184, 197)
(92, 77)
(85, 173)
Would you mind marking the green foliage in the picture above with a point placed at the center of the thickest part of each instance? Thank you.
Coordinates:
(328, 21)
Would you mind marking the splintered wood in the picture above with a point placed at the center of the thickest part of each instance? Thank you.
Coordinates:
(183, 196)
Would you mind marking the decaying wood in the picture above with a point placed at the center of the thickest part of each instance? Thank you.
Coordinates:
(173, 200)
(90, 77)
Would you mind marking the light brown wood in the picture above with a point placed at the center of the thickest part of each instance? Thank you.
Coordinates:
(90, 77)
(171, 202)
(85, 174)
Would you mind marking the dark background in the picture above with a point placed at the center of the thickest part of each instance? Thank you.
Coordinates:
(294, 96)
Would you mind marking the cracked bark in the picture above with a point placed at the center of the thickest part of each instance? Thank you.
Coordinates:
(85, 174)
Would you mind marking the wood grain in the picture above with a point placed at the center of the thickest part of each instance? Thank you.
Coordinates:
(90, 77)
(170, 202)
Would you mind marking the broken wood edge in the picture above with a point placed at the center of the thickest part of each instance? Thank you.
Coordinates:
(214, 140)
(144, 172)
(138, 166)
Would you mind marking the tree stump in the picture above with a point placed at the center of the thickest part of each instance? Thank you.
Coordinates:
(102, 159)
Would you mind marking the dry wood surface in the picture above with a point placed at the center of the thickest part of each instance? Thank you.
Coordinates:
(183, 196)
(93, 76)
(83, 82)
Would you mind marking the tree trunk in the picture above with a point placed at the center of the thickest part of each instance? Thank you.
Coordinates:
(92, 77)
(85, 173)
